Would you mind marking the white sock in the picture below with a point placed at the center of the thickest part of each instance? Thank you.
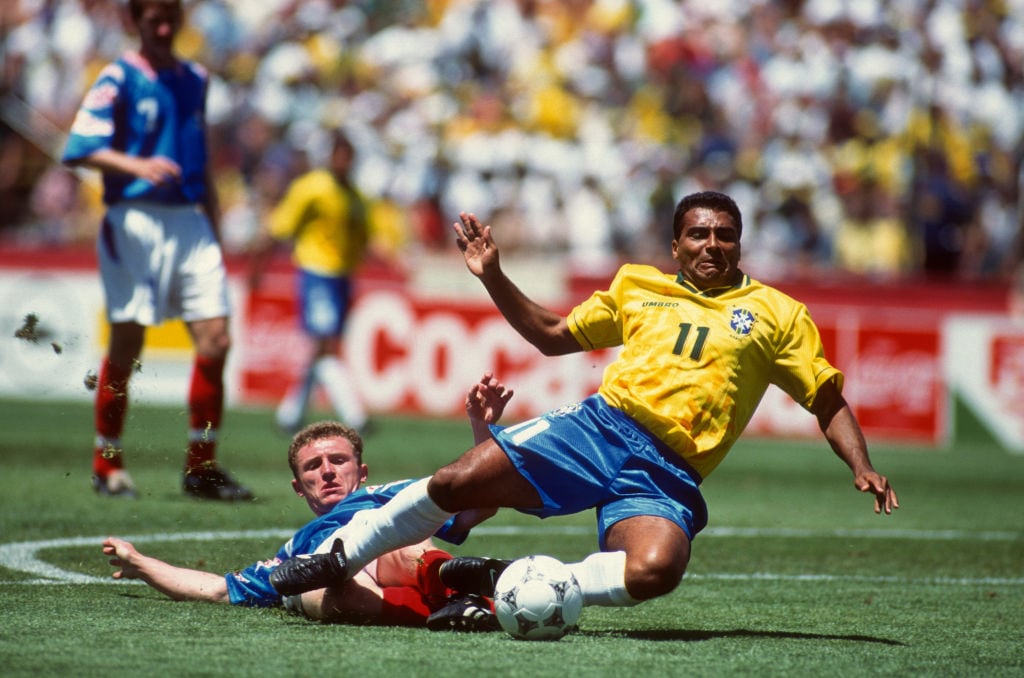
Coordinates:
(602, 577)
(292, 409)
(410, 517)
(334, 376)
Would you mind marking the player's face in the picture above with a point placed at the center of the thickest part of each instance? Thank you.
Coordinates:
(328, 471)
(341, 159)
(158, 23)
(708, 248)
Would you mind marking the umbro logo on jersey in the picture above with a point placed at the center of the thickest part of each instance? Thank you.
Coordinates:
(660, 304)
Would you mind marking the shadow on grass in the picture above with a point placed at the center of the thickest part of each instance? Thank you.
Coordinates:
(695, 635)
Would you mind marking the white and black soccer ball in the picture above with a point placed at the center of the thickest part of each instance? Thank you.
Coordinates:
(537, 598)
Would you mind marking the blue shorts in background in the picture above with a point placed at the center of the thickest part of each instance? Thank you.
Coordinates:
(591, 455)
(324, 303)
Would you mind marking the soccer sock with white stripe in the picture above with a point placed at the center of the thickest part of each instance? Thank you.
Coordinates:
(111, 409)
(205, 410)
(602, 578)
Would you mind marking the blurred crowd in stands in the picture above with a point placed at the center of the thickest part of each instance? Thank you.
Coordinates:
(882, 138)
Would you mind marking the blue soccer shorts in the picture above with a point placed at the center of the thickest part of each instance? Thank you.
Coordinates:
(324, 303)
(591, 455)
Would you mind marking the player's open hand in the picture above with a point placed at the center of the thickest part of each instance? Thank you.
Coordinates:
(124, 554)
(877, 484)
(157, 170)
(475, 243)
(487, 398)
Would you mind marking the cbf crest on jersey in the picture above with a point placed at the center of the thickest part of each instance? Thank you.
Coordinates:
(742, 321)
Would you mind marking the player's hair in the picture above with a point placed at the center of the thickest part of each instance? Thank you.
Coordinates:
(135, 6)
(320, 431)
(712, 200)
(339, 138)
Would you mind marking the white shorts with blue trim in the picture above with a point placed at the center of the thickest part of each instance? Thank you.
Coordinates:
(159, 262)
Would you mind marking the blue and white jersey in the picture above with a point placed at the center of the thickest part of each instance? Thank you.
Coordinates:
(252, 587)
(145, 113)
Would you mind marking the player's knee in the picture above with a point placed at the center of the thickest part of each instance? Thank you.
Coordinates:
(443, 488)
(653, 573)
(218, 347)
(212, 339)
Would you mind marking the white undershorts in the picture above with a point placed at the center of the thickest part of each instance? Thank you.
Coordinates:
(159, 262)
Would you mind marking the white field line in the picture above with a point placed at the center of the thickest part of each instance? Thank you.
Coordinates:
(24, 556)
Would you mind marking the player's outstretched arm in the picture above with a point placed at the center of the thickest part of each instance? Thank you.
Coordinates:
(540, 326)
(178, 583)
(845, 437)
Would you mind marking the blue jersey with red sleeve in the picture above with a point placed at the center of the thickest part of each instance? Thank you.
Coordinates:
(252, 587)
(143, 112)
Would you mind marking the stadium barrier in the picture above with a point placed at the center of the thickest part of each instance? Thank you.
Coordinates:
(904, 350)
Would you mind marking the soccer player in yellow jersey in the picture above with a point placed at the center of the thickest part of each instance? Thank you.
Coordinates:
(325, 218)
(699, 348)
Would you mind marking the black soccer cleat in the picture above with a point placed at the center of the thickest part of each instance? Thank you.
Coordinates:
(467, 613)
(213, 482)
(311, 571)
(470, 574)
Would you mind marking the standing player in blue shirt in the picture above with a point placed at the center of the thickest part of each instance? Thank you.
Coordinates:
(142, 125)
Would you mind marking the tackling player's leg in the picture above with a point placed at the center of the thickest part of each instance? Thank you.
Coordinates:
(481, 478)
(657, 552)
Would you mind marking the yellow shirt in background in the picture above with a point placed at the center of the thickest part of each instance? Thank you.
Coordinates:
(326, 222)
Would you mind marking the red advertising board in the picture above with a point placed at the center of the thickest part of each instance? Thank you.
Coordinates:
(417, 356)
(274, 347)
(904, 349)
(1006, 368)
(895, 383)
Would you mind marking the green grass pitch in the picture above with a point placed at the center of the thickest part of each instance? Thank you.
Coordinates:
(796, 576)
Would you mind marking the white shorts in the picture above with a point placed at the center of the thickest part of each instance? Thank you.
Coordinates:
(159, 262)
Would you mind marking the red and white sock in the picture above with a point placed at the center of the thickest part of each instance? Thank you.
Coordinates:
(205, 411)
(111, 410)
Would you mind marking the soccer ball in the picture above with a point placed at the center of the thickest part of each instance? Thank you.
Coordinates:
(537, 598)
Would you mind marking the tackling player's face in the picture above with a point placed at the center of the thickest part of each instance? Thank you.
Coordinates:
(328, 471)
(708, 248)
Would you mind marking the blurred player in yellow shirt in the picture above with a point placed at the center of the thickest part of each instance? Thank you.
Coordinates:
(324, 217)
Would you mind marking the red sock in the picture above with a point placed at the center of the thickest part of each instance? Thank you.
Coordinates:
(403, 606)
(111, 409)
(428, 581)
(205, 409)
(106, 459)
(200, 454)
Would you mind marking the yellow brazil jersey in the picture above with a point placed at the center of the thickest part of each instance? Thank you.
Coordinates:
(326, 221)
(694, 365)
